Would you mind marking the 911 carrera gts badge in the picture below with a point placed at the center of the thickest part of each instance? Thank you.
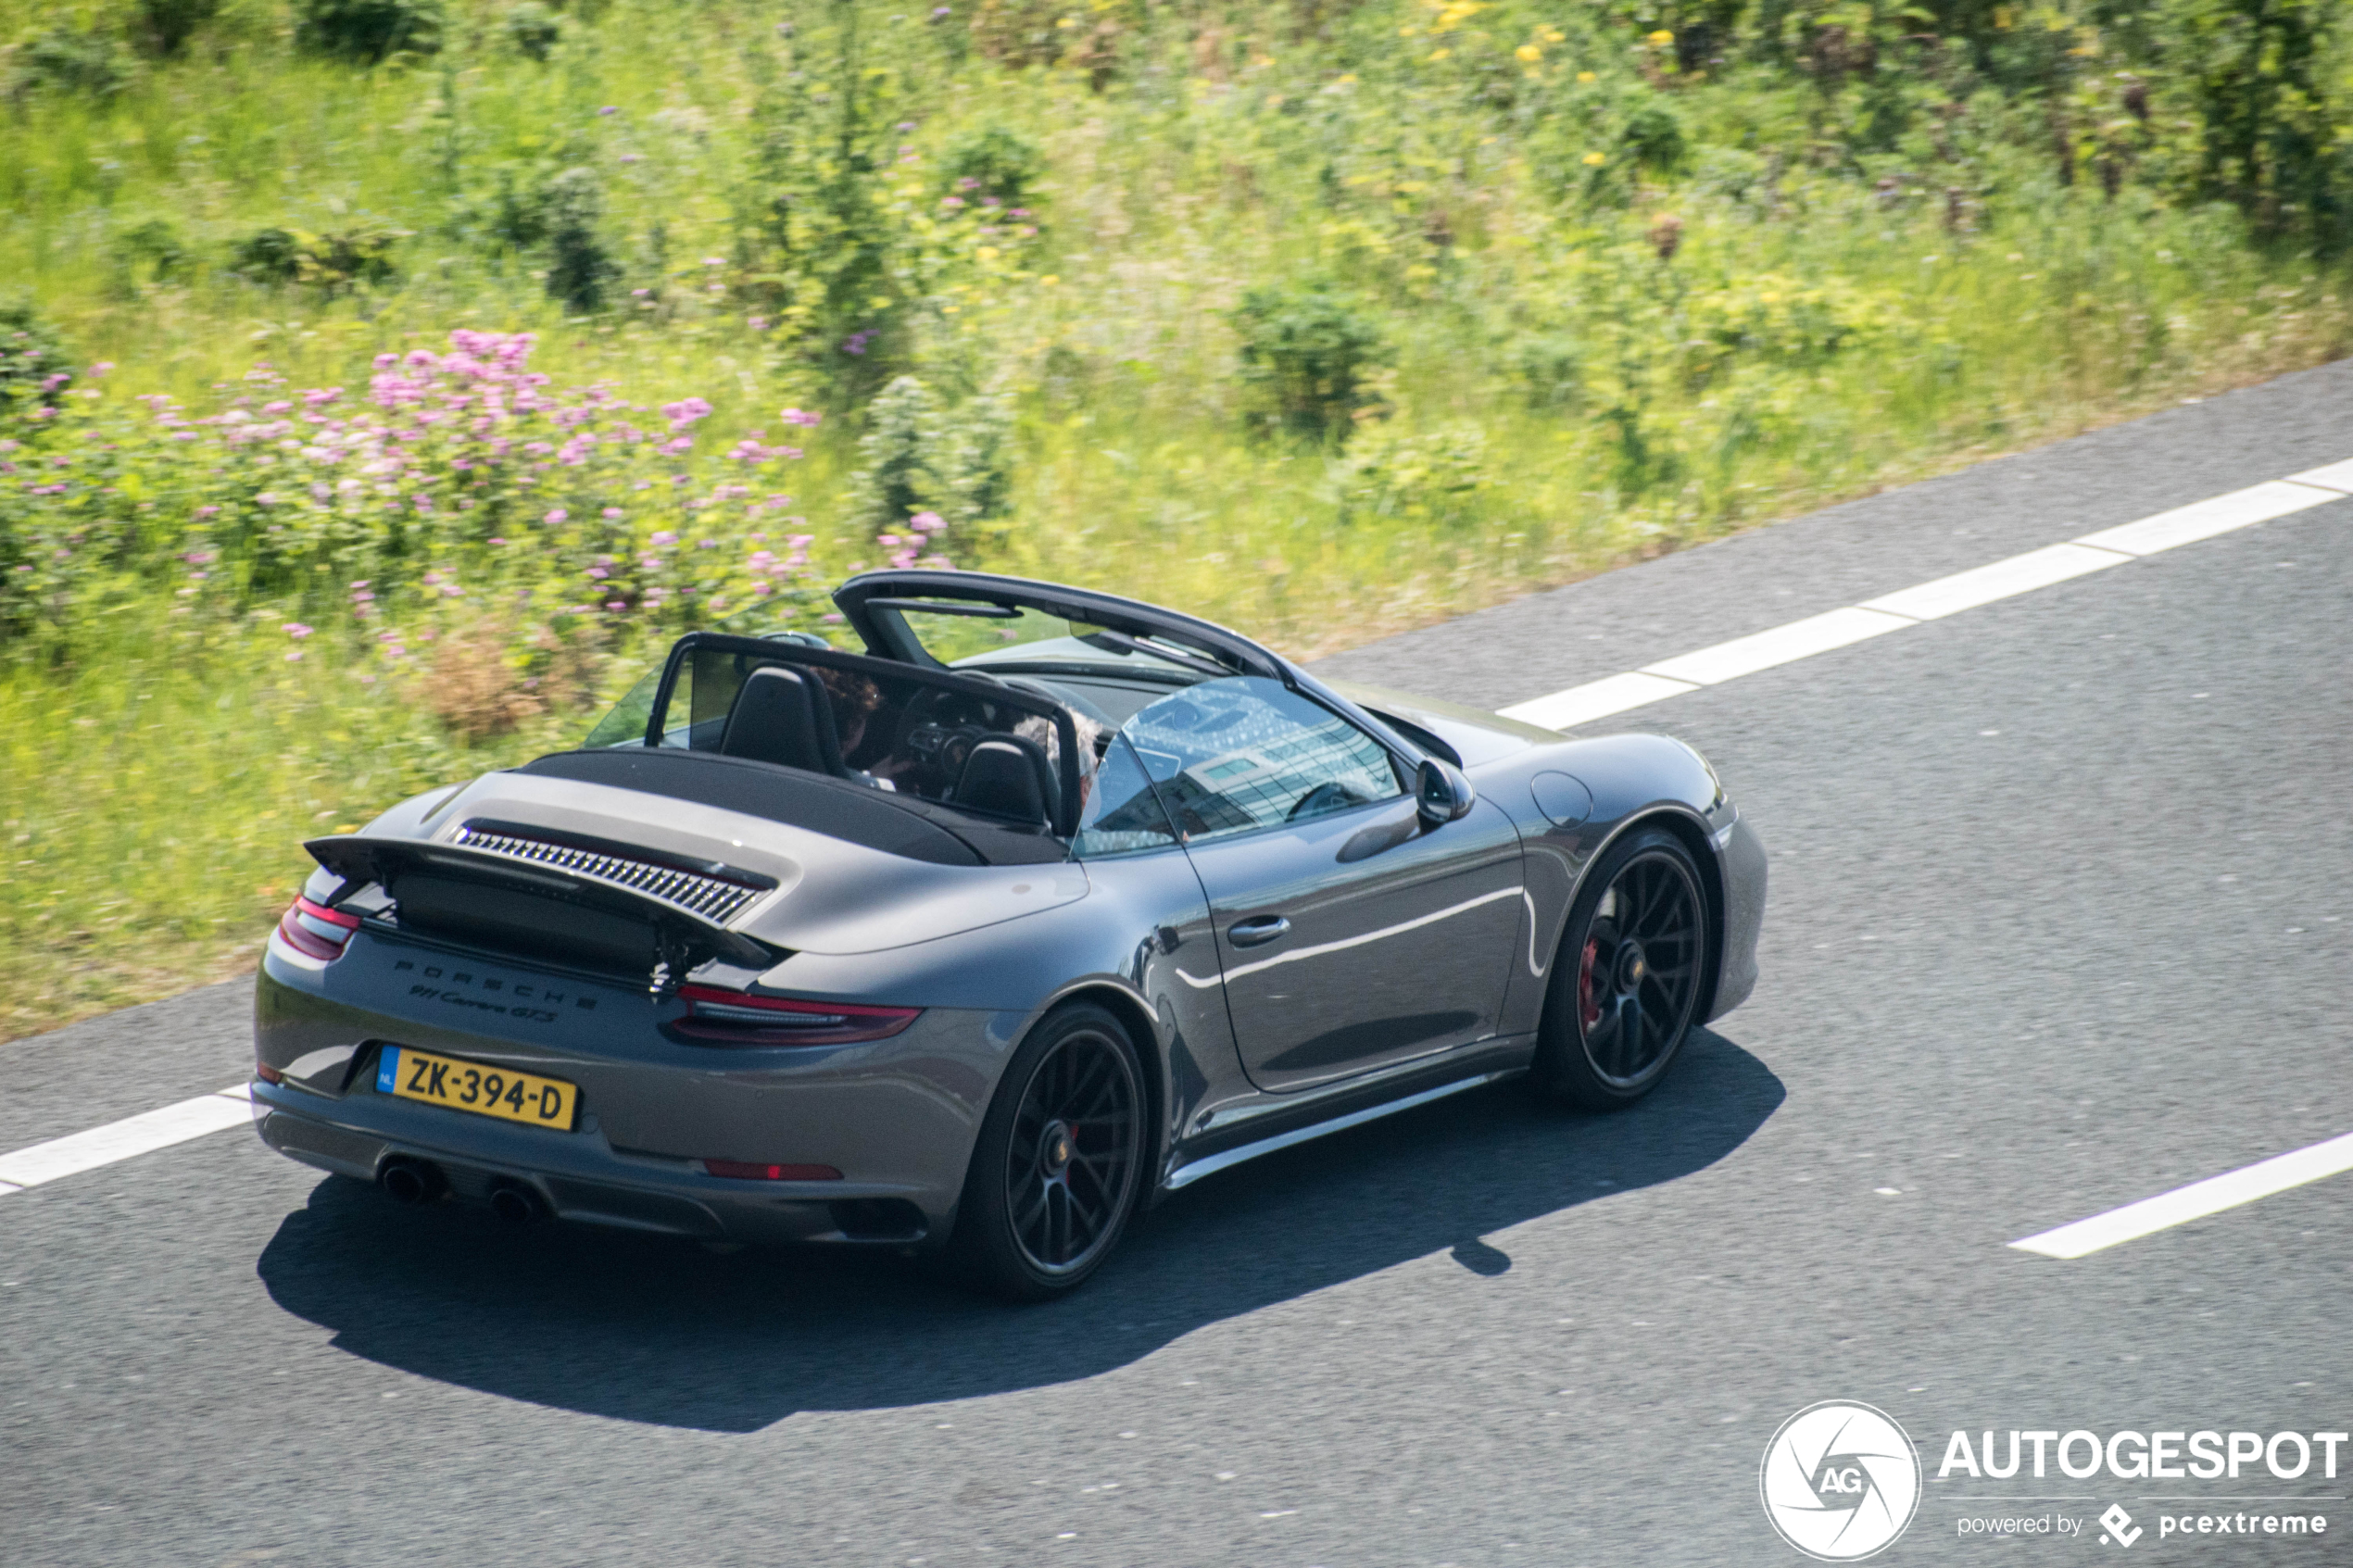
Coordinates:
(533, 999)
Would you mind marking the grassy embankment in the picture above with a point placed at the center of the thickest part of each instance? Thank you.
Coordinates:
(1604, 301)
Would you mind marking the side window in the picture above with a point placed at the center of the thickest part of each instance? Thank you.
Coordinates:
(1236, 755)
(1122, 815)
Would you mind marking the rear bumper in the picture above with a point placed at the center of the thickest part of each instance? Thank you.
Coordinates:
(584, 1178)
(897, 1116)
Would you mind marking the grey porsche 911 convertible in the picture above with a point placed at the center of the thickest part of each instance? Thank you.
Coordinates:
(1043, 906)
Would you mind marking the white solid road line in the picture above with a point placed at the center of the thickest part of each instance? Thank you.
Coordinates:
(1559, 710)
(1596, 700)
(2019, 574)
(2203, 519)
(2195, 1202)
(1929, 601)
(1782, 644)
(119, 1140)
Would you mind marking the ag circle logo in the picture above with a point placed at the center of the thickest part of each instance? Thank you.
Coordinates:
(1840, 1481)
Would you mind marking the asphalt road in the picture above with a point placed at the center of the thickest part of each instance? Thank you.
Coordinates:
(2061, 915)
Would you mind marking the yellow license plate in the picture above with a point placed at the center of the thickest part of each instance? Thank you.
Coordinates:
(469, 1086)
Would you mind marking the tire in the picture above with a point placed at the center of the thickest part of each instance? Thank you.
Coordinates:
(1060, 1161)
(1624, 996)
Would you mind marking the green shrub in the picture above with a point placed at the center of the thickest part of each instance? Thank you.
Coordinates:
(368, 30)
(1550, 368)
(164, 27)
(1434, 477)
(580, 265)
(1307, 358)
(334, 263)
(146, 253)
(69, 60)
(35, 368)
(920, 455)
(994, 165)
(533, 29)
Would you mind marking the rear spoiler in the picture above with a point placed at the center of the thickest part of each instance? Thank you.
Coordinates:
(683, 939)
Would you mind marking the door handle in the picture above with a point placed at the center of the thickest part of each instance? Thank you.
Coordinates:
(1251, 933)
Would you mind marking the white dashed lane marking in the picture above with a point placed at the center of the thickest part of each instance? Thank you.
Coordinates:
(119, 1140)
(2195, 1202)
(1566, 709)
(1932, 601)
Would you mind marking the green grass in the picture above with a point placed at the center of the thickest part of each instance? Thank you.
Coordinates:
(1822, 329)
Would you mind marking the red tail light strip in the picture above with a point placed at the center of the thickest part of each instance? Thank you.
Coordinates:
(739, 1018)
(751, 1170)
(316, 931)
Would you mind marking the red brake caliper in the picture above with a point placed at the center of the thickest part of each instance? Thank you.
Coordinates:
(1589, 1011)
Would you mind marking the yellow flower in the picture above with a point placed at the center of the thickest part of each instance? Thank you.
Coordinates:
(1348, 80)
(986, 253)
(1552, 35)
(1407, 31)
(1595, 160)
(1529, 52)
(1440, 53)
(1660, 39)
(1050, 280)
(1585, 76)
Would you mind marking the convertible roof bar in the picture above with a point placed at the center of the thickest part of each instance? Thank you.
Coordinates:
(871, 600)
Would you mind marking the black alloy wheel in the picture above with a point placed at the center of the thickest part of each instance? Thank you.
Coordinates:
(1626, 983)
(1060, 1160)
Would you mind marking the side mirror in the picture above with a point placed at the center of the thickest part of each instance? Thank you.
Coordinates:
(1441, 793)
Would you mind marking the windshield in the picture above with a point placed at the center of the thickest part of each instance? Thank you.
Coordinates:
(965, 633)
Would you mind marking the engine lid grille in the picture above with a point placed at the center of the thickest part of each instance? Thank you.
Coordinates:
(716, 893)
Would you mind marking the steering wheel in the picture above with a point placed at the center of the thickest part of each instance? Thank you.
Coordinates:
(1324, 798)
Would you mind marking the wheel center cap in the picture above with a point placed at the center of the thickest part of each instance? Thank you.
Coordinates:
(1631, 966)
(1055, 1148)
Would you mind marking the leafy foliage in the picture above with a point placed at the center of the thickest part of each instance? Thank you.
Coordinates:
(164, 27)
(1308, 354)
(331, 263)
(35, 368)
(531, 29)
(69, 60)
(368, 30)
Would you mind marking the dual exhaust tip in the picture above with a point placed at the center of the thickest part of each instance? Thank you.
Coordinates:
(415, 1183)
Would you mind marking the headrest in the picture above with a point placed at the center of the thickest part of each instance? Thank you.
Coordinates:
(1006, 776)
(782, 716)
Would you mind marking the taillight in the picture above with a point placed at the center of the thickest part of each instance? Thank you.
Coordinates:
(316, 931)
(739, 1018)
(751, 1170)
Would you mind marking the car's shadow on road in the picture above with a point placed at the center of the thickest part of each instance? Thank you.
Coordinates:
(654, 1329)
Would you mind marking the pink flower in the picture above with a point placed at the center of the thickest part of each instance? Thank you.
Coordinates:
(927, 523)
(665, 538)
(558, 515)
(612, 511)
(800, 417)
(296, 629)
